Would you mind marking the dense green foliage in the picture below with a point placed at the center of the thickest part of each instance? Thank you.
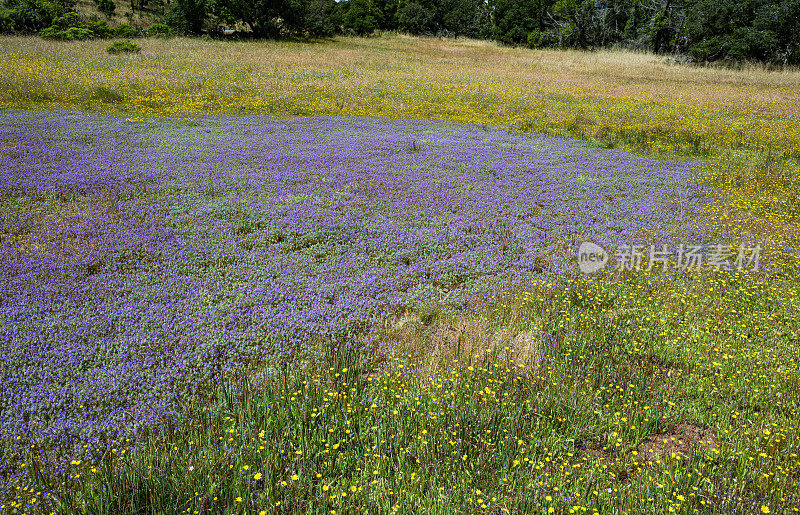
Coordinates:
(123, 47)
(25, 16)
(186, 16)
(70, 27)
(107, 7)
(766, 30)
(704, 30)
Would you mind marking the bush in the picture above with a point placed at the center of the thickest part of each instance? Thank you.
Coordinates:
(100, 29)
(7, 23)
(69, 27)
(124, 31)
(67, 21)
(28, 15)
(106, 7)
(70, 34)
(535, 39)
(123, 47)
(78, 33)
(159, 30)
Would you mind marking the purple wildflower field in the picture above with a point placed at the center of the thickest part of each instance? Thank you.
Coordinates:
(140, 257)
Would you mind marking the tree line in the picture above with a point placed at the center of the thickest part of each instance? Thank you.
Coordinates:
(700, 30)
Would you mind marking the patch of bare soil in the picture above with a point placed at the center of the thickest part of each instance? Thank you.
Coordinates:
(599, 448)
(676, 443)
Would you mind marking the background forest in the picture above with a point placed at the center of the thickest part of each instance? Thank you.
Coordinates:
(701, 31)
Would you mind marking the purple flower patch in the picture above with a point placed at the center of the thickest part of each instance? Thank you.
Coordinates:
(138, 259)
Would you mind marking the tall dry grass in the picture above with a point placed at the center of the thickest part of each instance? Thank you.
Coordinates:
(387, 69)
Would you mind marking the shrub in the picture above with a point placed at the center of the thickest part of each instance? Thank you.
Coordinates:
(50, 33)
(31, 15)
(124, 31)
(27, 15)
(7, 23)
(78, 33)
(70, 34)
(106, 7)
(70, 19)
(123, 47)
(69, 27)
(159, 30)
(535, 39)
(100, 29)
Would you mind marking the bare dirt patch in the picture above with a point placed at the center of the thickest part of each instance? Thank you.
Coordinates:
(676, 443)
(599, 448)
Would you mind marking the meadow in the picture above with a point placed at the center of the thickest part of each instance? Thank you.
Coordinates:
(339, 277)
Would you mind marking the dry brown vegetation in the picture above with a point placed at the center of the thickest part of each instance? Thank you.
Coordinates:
(393, 65)
(440, 342)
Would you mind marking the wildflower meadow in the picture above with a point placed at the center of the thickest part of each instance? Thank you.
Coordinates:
(343, 277)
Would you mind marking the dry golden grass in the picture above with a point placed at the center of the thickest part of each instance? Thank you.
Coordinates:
(393, 66)
(441, 342)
